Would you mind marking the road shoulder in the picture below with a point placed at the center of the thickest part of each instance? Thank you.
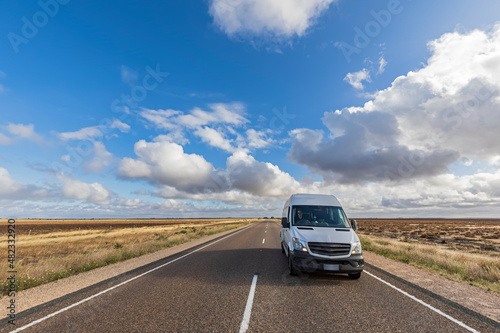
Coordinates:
(474, 298)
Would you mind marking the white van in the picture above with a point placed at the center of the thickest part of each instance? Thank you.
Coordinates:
(317, 236)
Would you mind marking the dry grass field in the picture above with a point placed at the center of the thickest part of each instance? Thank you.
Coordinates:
(47, 250)
(462, 250)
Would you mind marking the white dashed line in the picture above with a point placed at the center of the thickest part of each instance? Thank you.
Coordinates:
(456, 321)
(248, 309)
(263, 241)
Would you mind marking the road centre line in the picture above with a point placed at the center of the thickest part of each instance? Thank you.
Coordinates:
(456, 321)
(263, 241)
(121, 284)
(248, 308)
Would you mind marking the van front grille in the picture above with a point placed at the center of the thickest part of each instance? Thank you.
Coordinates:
(329, 249)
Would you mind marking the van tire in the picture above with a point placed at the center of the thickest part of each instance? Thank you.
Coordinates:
(282, 248)
(355, 276)
(291, 268)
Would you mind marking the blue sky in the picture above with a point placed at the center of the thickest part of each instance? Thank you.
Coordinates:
(226, 107)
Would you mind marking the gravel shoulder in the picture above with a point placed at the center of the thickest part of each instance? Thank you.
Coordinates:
(474, 298)
(468, 296)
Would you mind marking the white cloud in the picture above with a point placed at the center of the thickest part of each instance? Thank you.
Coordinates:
(258, 139)
(214, 138)
(86, 133)
(101, 158)
(161, 118)
(274, 18)
(13, 190)
(190, 176)
(95, 132)
(7, 184)
(213, 126)
(259, 178)
(5, 140)
(166, 163)
(382, 63)
(422, 123)
(221, 113)
(121, 126)
(91, 192)
(24, 131)
(232, 197)
(356, 79)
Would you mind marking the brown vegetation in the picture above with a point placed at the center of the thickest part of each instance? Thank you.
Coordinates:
(463, 250)
(47, 250)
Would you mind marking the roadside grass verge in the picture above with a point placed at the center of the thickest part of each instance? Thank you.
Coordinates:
(52, 256)
(478, 269)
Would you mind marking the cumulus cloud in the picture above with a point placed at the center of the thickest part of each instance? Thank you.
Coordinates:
(426, 120)
(7, 184)
(11, 189)
(91, 192)
(259, 178)
(356, 79)
(24, 132)
(181, 175)
(101, 158)
(274, 18)
(232, 197)
(166, 163)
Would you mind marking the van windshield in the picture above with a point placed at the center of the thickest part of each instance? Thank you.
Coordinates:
(319, 216)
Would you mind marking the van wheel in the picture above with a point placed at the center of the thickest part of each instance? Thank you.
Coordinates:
(292, 269)
(282, 248)
(355, 276)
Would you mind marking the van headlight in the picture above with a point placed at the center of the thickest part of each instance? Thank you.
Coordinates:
(356, 248)
(299, 245)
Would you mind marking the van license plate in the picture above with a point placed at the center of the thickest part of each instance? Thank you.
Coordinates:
(329, 267)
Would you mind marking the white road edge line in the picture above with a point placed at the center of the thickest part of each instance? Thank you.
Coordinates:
(458, 322)
(119, 285)
(248, 308)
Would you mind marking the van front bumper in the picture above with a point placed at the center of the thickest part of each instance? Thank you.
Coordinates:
(304, 261)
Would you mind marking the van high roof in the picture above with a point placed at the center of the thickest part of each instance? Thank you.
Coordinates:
(314, 200)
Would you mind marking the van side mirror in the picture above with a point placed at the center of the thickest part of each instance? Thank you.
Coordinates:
(284, 222)
(354, 224)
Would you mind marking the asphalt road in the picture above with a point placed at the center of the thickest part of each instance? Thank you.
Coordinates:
(208, 290)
